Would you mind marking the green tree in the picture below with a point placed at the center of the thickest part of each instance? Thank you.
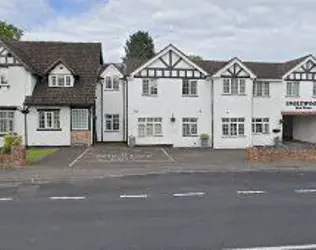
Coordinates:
(140, 45)
(195, 57)
(9, 31)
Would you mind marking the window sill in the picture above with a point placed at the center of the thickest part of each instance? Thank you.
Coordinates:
(190, 95)
(261, 133)
(190, 136)
(111, 131)
(49, 129)
(145, 95)
(4, 86)
(7, 133)
(234, 94)
(111, 90)
(233, 137)
(292, 96)
(80, 129)
(152, 136)
(262, 96)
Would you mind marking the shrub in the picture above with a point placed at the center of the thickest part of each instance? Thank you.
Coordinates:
(204, 137)
(11, 140)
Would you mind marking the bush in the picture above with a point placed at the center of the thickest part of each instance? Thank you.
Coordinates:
(11, 140)
(204, 137)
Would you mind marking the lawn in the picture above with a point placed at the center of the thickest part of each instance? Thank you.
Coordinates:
(35, 154)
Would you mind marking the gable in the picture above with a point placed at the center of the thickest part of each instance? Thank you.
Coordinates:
(7, 58)
(111, 70)
(60, 69)
(235, 69)
(170, 63)
(305, 71)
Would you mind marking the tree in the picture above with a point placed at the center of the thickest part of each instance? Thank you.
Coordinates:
(140, 45)
(195, 57)
(9, 31)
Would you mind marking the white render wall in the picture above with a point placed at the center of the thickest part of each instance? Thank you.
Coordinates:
(168, 103)
(231, 106)
(21, 84)
(113, 103)
(269, 107)
(49, 138)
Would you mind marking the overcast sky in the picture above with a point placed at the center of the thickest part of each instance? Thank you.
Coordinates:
(264, 30)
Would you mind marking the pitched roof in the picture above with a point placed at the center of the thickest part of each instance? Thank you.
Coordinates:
(119, 66)
(83, 58)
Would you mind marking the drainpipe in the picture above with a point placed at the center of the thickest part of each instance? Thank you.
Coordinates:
(101, 128)
(25, 110)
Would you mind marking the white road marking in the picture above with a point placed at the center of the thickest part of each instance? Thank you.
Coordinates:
(134, 196)
(67, 198)
(78, 158)
(168, 155)
(189, 194)
(304, 191)
(299, 247)
(251, 192)
(6, 199)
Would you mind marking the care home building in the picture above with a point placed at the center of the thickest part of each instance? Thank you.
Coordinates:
(47, 91)
(172, 100)
(61, 94)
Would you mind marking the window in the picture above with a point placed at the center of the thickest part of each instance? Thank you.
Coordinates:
(260, 125)
(149, 127)
(3, 80)
(234, 86)
(112, 83)
(112, 122)
(150, 87)
(6, 121)
(60, 81)
(233, 127)
(293, 89)
(314, 89)
(261, 88)
(49, 119)
(189, 87)
(79, 119)
(189, 127)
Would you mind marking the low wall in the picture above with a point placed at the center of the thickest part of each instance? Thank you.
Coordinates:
(255, 154)
(81, 137)
(16, 158)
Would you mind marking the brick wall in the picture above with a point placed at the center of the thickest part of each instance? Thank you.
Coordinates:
(81, 137)
(17, 157)
(263, 155)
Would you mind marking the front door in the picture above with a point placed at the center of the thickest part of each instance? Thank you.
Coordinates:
(287, 128)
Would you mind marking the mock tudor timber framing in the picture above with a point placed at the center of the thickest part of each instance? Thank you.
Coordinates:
(306, 72)
(235, 71)
(7, 59)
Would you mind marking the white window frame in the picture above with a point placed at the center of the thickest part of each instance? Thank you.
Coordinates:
(112, 83)
(314, 89)
(150, 127)
(66, 80)
(189, 87)
(235, 126)
(7, 121)
(113, 120)
(261, 89)
(293, 89)
(80, 119)
(234, 86)
(189, 127)
(261, 125)
(43, 120)
(149, 87)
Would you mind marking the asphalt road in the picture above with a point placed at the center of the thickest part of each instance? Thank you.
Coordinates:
(172, 211)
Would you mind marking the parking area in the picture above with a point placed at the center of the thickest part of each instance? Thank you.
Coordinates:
(116, 155)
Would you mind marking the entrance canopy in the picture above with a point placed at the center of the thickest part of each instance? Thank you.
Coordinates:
(299, 113)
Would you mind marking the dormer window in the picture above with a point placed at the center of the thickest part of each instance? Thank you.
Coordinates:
(59, 80)
(112, 83)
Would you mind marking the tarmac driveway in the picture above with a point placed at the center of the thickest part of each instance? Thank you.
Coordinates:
(119, 155)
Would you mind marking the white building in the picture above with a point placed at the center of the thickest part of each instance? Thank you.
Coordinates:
(47, 91)
(172, 100)
(60, 94)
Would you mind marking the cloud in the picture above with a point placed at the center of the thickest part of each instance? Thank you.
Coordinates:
(220, 29)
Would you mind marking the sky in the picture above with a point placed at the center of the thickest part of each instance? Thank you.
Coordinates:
(260, 30)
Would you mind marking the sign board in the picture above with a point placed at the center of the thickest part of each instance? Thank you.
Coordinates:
(300, 105)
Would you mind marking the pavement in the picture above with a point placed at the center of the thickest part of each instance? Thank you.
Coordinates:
(172, 211)
(102, 161)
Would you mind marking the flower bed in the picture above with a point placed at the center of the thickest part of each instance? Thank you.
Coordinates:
(16, 158)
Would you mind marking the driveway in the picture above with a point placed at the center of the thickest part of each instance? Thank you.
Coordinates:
(103, 155)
